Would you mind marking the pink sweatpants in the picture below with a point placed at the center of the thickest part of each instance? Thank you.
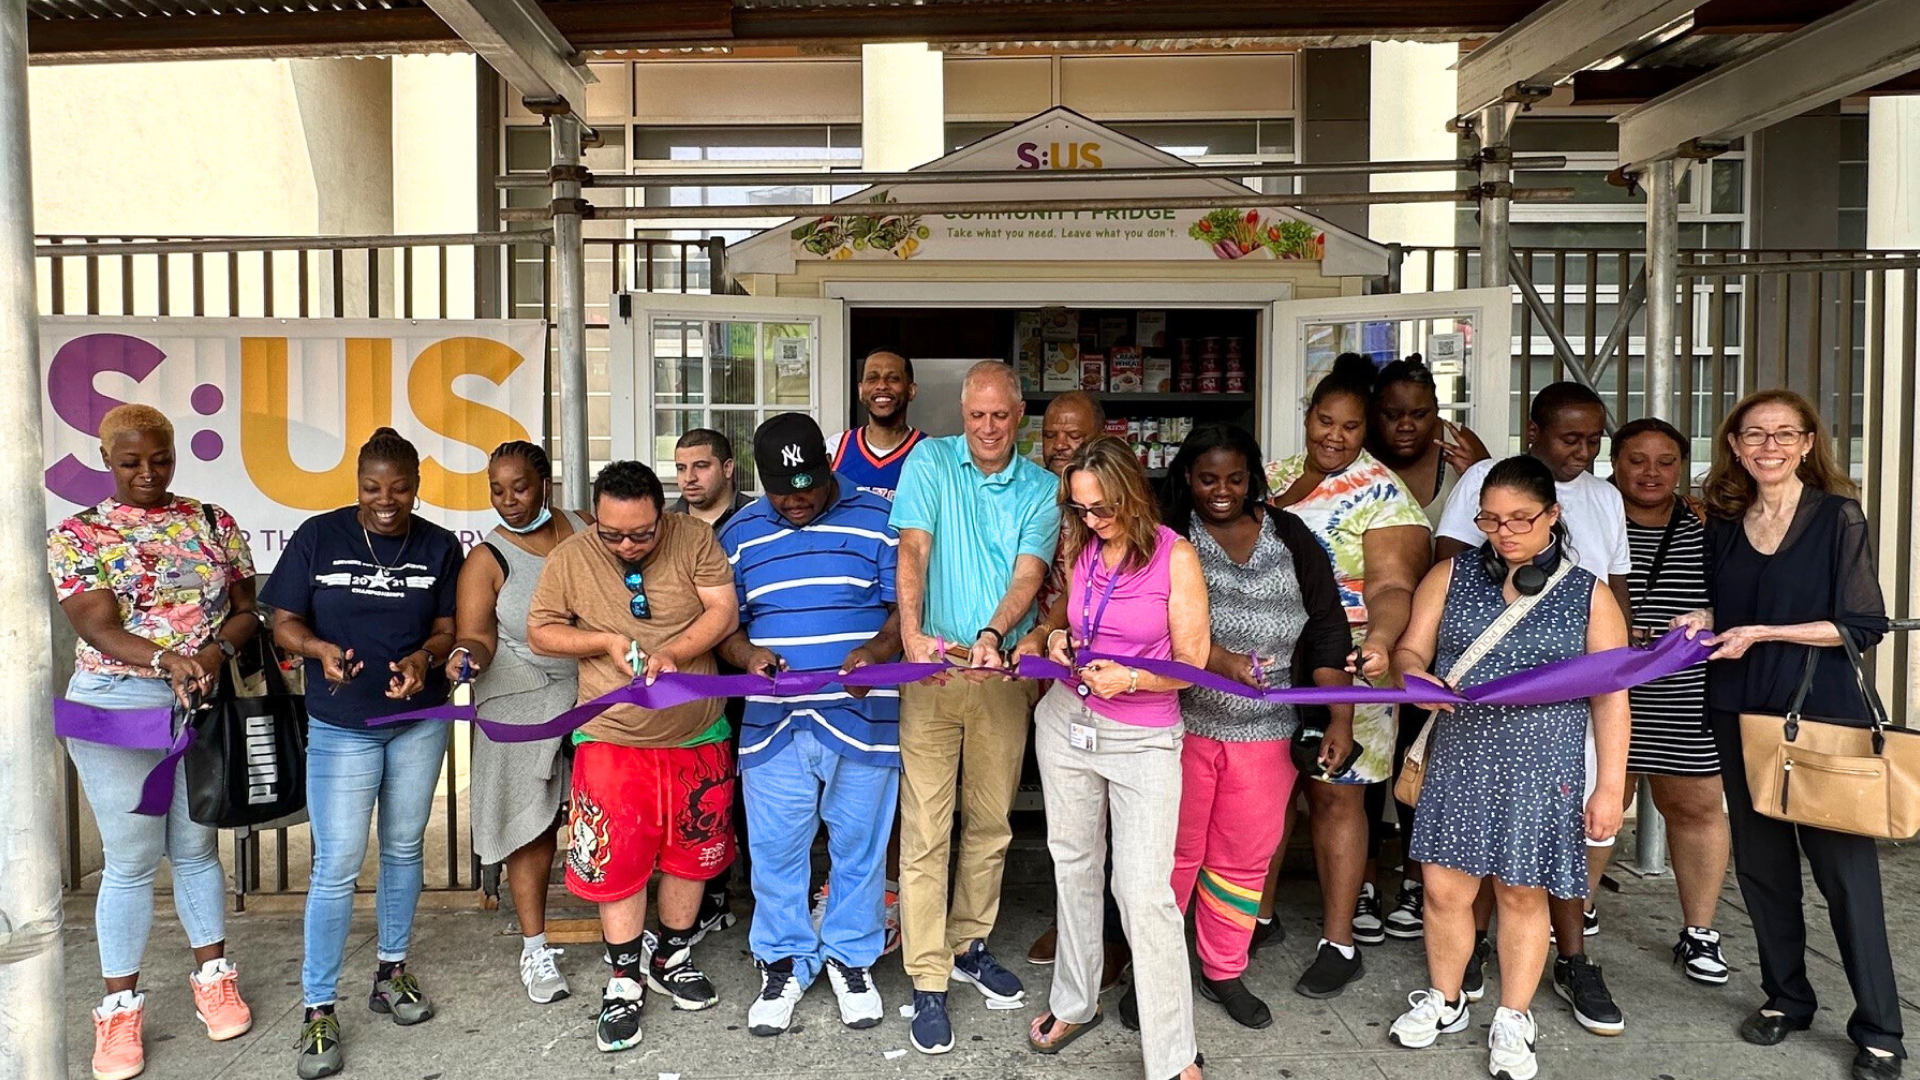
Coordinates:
(1233, 812)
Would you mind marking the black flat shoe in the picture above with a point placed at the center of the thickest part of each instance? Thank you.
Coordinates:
(1868, 1065)
(1130, 1010)
(1763, 1030)
(1240, 1003)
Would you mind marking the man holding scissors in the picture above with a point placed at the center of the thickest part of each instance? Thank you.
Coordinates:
(978, 526)
(642, 593)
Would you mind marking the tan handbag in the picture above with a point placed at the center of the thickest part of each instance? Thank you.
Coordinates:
(1413, 771)
(1847, 777)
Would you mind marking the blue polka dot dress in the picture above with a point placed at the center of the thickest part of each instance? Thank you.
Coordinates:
(1504, 792)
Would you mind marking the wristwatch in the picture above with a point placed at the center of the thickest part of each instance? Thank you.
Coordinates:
(227, 648)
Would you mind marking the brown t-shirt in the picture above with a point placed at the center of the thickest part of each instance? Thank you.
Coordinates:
(584, 585)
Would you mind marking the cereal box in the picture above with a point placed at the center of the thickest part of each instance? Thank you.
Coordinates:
(1158, 375)
(1126, 371)
(1060, 368)
(1093, 372)
(1150, 330)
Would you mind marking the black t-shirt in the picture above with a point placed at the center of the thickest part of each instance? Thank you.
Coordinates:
(377, 595)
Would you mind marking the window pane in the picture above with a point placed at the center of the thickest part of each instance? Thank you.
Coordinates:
(1553, 135)
(787, 359)
(529, 149)
(679, 361)
(1191, 139)
(1730, 186)
(738, 426)
(809, 142)
(730, 367)
(668, 426)
(1589, 186)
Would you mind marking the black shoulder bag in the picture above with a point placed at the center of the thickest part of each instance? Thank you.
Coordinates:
(248, 762)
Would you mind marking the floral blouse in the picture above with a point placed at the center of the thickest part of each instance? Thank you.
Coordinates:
(170, 568)
(1342, 510)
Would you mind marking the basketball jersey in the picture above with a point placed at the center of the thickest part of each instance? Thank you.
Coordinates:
(869, 471)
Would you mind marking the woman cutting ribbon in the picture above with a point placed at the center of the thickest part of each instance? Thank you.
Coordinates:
(365, 594)
(1108, 741)
(160, 589)
(517, 788)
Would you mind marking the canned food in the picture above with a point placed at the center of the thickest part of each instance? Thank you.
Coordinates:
(1209, 382)
(1236, 382)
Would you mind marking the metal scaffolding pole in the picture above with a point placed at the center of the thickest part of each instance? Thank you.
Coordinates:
(1663, 257)
(32, 986)
(1490, 129)
(570, 308)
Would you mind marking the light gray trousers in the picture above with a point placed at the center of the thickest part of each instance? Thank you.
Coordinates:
(1131, 777)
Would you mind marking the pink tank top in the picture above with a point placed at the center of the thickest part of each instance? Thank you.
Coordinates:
(1125, 614)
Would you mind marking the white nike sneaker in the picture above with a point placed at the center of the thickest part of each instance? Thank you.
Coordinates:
(1430, 1018)
(1510, 1045)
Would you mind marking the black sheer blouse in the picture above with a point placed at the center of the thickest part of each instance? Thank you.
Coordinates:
(1823, 571)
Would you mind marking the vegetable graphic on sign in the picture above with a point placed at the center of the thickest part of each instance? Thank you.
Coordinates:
(844, 236)
(1235, 234)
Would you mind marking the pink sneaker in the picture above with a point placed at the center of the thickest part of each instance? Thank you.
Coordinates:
(117, 1053)
(216, 1001)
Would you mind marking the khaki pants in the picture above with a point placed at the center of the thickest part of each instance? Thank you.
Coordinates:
(970, 737)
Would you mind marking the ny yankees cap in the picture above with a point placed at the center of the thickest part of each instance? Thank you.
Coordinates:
(791, 454)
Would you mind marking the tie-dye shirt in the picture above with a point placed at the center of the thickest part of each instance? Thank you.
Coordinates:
(169, 568)
(1342, 510)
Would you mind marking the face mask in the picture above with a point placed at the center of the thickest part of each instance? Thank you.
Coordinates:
(545, 515)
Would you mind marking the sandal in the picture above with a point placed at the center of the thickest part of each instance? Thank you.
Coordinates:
(1199, 1061)
(1051, 1024)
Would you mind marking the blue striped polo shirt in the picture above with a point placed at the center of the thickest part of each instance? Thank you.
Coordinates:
(811, 596)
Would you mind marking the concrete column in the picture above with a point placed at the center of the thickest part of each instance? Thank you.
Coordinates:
(346, 121)
(1412, 92)
(434, 171)
(32, 985)
(1893, 222)
(903, 105)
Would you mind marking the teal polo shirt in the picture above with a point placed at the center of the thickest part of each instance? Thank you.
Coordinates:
(980, 525)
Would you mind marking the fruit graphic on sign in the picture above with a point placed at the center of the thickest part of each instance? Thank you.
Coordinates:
(843, 236)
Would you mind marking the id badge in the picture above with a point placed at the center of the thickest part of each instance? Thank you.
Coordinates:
(1083, 737)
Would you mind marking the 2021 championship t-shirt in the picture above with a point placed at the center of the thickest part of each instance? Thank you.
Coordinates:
(376, 595)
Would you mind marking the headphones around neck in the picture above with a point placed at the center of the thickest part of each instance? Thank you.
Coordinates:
(1530, 579)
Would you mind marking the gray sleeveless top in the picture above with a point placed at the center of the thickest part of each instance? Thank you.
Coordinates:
(517, 670)
(1253, 608)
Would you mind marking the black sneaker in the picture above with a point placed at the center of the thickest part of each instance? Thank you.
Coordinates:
(1408, 921)
(716, 913)
(320, 1050)
(1368, 929)
(1000, 987)
(671, 971)
(1265, 932)
(1330, 973)
(620, 1006)
(1698, 954)
(1577, 980)
(1590, 922)
(1240, 1003)
(1474, 983)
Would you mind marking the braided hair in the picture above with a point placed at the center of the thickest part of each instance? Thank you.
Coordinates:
(530, 453)
(388, 447)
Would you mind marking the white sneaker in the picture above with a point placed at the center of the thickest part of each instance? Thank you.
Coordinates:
(1510, 1044)
(1430, 1018)
(541, 976)
(772, 1011)
(859, 999)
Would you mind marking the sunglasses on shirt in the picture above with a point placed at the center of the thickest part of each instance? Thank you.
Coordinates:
(637, 603)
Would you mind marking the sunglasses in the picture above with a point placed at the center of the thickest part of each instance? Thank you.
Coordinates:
(644, 536)
(637, 604)
(1098, 511)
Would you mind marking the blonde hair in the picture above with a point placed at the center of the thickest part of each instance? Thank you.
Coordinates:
(1123, 484)
(1730, 489)
(132, 420)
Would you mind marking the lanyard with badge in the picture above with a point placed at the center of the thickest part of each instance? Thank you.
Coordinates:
(1085, 736)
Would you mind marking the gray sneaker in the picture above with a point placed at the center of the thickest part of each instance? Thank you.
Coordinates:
(320, 1051)
(399, 995)
(541, 976)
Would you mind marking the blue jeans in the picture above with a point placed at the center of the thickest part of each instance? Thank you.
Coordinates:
(787, 797)
(348, 769)
(133, 844)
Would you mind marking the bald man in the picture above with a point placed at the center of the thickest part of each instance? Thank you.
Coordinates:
(978, 525)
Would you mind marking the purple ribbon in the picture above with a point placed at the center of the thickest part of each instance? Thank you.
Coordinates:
(1564, 680)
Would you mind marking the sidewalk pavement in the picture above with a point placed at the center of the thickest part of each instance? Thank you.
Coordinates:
(486, 1028)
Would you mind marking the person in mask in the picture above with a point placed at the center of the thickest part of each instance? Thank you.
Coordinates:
(518, 789)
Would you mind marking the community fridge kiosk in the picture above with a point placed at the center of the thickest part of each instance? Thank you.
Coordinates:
(1174, 316)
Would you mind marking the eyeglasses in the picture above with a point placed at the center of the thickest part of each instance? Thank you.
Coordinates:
(637, 604)
(1520, 526)
(644, 536)
(1783, 437)
(1098, 511)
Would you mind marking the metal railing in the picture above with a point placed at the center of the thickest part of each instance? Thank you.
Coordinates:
(1837, 326)
(433, 277)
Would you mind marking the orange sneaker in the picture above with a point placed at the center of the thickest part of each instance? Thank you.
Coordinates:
(117, 1053)
(216, 1001)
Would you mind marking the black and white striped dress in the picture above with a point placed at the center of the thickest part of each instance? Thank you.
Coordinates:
(1670, 736)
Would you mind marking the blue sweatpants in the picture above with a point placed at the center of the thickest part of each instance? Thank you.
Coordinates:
(788, 795)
